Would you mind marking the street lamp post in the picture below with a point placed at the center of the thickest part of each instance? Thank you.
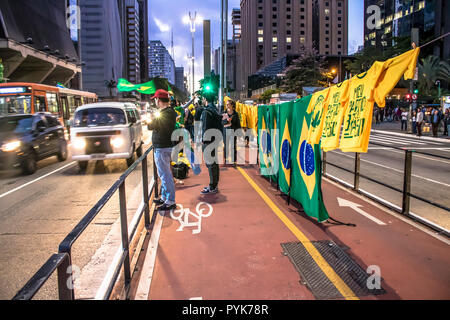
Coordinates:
(192, 21)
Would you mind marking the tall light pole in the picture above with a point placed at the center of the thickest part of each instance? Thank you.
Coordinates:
(192, 19)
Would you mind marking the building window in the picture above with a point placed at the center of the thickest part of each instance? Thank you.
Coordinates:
(288, 39)
(288, 48)
(302, 39)
(274, 39)
(260, 39)
(260, 32)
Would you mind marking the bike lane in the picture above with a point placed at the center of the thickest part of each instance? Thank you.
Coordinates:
(237, 253)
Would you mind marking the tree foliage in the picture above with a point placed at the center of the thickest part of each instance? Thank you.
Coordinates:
(309, 69)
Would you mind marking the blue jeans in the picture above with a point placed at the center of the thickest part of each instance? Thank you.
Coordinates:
(162, 160)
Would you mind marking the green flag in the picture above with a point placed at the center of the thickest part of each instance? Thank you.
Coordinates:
(285, 145)
(147, 88)
(265, 145)
(272, 114)
(306, 164)
(124, 85)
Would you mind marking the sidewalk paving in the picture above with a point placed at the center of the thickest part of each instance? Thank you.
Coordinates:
(237, 253)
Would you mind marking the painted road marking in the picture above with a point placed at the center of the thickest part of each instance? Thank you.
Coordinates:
(395, 141)
(340, 285)
(411, 139)
(145, 280)
(396, 170)
(355, 206)
(35, 180)
(182, 216)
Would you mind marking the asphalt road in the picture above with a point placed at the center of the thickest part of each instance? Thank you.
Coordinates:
(430, 174)
(38, 211)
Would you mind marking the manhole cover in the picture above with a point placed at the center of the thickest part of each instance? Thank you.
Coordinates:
(319, 284)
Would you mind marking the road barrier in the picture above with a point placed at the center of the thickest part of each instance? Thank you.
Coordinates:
(62, 261)
(406, 191)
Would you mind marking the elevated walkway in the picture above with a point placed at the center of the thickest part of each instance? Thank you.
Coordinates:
(249, 244)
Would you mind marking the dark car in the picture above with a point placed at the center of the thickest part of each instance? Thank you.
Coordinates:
(26, 139)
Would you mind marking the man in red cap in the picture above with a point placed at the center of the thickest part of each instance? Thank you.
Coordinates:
(163, 127)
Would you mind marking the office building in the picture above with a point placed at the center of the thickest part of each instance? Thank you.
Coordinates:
(143, 39)
(398, 17)
(206, 48)
(101, 45)
(133, 41)
(179, 79)
(272, 29)
(161, 62)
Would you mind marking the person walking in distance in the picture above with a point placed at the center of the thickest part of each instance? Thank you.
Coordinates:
(233, 123)
(446, 121)
(419, 121)
(414, 122)
(404, 116)
(211, 119)
(163, 127)
(435, 120)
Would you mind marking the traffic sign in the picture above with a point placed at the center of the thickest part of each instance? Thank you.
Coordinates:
(414, 96)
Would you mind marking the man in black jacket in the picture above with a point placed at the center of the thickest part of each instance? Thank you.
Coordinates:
(211, 119)
(163, 126)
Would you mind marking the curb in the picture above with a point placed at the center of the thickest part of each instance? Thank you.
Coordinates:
(411, 136)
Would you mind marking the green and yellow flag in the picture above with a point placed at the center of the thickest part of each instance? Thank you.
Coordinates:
(306, 163)
(272, 114)
(265, 145)
(285, 144)
(124, 85)
(147, 88)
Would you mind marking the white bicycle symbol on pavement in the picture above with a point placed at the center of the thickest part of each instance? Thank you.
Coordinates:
(182, 215)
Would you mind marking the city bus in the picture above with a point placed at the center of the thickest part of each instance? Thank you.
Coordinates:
(29, 98)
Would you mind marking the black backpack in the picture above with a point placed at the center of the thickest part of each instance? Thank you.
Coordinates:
(180, 170)
(213, 119)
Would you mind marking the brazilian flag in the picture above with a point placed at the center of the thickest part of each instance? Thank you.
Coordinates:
(265, 142)
(124, 85)
(306, 163)
(285, 145)
(273, 111)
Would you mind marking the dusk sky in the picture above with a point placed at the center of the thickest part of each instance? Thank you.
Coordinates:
(167, 14)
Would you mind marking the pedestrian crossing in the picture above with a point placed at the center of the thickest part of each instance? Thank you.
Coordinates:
(391, 140)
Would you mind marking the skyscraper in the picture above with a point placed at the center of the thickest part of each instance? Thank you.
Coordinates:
(398, 17)
(179, 78)
(101, 45)
(273, 29)
(143, 38)
(133, 41)
(161, 62)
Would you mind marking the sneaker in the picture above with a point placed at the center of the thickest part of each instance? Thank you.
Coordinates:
(166, 207)
(158, 201)
(208, 190)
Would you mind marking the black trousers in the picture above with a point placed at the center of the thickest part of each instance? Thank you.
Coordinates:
(213, 170)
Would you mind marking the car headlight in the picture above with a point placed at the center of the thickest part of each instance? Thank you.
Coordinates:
(157, 114)
(79, 143)
(117, 142)
(11, 146)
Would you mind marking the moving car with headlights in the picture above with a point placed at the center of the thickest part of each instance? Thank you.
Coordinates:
(25, 139)
(107, 130)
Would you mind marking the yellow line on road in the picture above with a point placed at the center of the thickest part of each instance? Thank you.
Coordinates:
(340, 285)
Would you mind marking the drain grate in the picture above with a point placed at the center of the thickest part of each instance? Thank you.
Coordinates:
(319, 284)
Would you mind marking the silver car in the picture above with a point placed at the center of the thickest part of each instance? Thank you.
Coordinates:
(107, 130)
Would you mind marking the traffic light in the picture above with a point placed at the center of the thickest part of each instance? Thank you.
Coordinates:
(416, 88)
(208, 88)
(408, 97)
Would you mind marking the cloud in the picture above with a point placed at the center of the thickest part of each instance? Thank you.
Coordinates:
(162, 26)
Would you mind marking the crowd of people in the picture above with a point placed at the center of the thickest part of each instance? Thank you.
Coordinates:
(420, 117)
(173, 115)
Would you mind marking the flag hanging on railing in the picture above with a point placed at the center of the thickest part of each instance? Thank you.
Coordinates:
(285, 143)
(306, 163)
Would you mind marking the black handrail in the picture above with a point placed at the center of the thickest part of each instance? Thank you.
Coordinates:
(406, 192)
(61, 261)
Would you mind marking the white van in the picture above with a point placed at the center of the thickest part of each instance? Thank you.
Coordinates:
(107, 130)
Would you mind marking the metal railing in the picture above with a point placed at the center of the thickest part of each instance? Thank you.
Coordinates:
(62, 261)
(406, 191)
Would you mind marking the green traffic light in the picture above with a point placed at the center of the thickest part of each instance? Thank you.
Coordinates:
(416, 91)
(208, 88)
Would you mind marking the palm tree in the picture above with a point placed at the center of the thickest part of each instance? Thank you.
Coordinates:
(111, 84)
(430, 70)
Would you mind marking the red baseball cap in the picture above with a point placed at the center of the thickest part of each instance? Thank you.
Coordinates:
(160, 94)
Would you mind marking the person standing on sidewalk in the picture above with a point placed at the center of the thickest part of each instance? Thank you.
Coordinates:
(414, 122)
(233, 123)
(446, 121)
(419, 121)
(163, 127)
(404, 116)
(211, 119)
(435, 120)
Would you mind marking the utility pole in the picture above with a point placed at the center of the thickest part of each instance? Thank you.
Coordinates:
(220, 104)
(413, 103)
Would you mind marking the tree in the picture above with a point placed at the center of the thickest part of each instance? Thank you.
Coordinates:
(307, 70)
(111, 84)
(268, 94)
(432, 69)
